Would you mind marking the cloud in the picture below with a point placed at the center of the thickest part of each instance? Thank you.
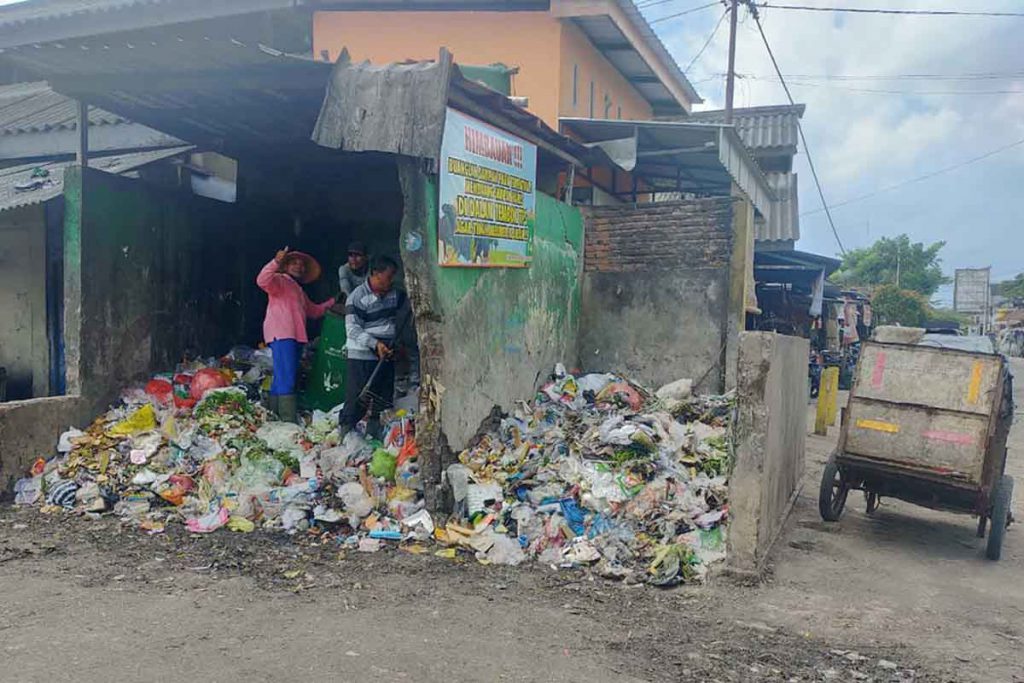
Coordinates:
(863, 142)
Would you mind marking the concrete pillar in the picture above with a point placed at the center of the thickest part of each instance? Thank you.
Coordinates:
(741, 262)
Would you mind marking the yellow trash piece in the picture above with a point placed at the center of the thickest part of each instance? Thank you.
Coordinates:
(241, 524)
(879, 426)
(142, 420)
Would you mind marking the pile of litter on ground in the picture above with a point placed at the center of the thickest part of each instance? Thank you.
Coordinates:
(593, 472)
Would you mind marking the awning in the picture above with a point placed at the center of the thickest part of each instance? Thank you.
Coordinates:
(221, 94)
(793, 267)
(677, 157)
(30, 184)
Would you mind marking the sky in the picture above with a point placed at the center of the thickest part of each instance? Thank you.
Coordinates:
(862, 142)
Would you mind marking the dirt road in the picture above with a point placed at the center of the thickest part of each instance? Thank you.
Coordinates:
(905, 575)
(905, 595)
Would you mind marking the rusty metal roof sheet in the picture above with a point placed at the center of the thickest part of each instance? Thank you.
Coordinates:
(51, 184)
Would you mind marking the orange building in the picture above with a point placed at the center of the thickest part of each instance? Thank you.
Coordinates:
(575, 58)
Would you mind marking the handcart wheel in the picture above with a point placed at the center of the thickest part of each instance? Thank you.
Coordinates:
(833, 492)
(872, 501)
(1002, 497)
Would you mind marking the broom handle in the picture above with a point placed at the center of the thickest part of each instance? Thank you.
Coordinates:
(380, 361)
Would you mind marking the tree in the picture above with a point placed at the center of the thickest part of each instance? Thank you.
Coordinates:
(1011, 289)
(892, 305)
(918, 267)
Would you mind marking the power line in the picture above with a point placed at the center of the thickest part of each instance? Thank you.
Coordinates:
(706, 42)
(800, 128)
(910, 12)
(881, 91)
(684, 12)
(919, 178)
(982, 76)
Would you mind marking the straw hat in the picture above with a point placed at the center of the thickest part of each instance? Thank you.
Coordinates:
(312, 267)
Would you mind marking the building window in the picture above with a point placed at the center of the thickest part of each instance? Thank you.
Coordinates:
(607, 106)
(591, 99)
(575, 85)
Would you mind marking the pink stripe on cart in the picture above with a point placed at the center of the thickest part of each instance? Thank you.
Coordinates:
(879, 370)
(950, 437)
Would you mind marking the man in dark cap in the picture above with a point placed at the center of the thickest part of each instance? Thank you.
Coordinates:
(353, 273)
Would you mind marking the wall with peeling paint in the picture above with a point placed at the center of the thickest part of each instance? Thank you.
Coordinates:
(490, 335)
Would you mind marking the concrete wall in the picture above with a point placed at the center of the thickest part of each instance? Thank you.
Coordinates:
(656, 286)
(30, 429)
(769, 440)
(23, 338)
(488, 336)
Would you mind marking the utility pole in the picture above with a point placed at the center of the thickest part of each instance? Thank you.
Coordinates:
(898, 254)
(730, 78)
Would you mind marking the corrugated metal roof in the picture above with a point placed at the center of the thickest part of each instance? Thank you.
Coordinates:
(35, 108)
(783, 222)
(680, 157)
(52, 185)
(762, 128)
(39, 21)
(208, 91)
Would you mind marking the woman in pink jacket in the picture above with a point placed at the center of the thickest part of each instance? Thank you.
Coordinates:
(284, 327)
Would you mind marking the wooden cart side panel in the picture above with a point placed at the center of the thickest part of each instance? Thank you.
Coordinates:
(998, 431)
(948, 443)
(939, 378)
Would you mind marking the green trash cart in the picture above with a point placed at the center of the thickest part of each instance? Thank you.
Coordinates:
(325, 387)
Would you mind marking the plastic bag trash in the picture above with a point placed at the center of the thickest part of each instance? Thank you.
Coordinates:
(506, 551)
(680, 390)
(421, 524)
(144, 477)
(480, 497)
(282, 436)
(710, 519)
(357, 503)
(594, 382)
(620, 393)
(28, 491)
(368, 545)
(294, 518)
(205, 380)
(209, 522)
(457, 476)
(142, 420)
(383, 465)
(240, 524)
(580, 551)
(322, 513)
(64, 444)
(62, 494)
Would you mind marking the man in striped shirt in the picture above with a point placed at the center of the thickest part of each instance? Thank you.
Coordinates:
(371, 313)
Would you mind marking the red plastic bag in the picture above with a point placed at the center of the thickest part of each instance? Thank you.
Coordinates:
(206, 379)
(161, 390)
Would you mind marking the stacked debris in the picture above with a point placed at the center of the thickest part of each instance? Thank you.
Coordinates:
(593, 472)
(597, 472)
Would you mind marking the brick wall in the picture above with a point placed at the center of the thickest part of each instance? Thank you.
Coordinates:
(694, 233)
(656, 287)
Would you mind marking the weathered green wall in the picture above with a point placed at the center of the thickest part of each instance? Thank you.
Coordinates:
(490, 335)
(158, 276)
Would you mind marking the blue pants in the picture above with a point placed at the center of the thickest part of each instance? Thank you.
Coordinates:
(286, 353)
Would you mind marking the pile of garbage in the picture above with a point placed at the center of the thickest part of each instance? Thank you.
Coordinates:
(597, 472)
(593, 472)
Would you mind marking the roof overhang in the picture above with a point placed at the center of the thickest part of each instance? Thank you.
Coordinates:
(619, 31)
(42, 181)
(38, 22)
(792, 267)
(677, 157)
(223, 95)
